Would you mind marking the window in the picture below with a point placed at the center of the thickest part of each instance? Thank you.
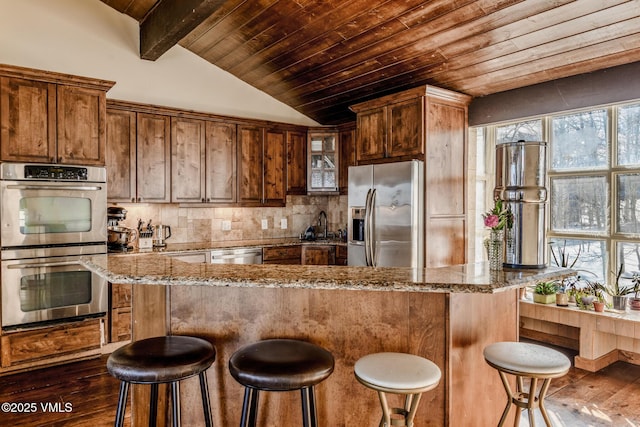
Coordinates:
(593, 171)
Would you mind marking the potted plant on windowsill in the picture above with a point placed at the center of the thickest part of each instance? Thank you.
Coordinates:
(598, 290)
(545, 292)
(635, 300)
(562, 297)
(619, 293)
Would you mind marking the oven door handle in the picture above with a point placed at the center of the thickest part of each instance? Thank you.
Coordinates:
(55, 187)
(41, 264)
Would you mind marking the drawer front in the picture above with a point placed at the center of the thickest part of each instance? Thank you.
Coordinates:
(22, 347)
(281, 253)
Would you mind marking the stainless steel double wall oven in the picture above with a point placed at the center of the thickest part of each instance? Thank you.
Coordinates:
(50, 216)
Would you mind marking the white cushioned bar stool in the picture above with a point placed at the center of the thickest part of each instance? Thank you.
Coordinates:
(526, 360)
(398, 373)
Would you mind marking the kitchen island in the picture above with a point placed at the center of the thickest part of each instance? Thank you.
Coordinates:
(447, 315)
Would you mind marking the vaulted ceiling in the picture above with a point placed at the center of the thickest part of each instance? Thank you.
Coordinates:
(320, 56)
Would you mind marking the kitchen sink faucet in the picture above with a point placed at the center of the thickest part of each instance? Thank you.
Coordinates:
(320, 216)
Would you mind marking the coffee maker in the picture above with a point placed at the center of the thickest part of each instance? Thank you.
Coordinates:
(118, 236)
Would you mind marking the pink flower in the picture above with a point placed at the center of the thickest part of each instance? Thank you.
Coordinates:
(491, 221)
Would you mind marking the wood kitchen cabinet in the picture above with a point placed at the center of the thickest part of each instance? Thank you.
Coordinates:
(261, 166)
(275, 167)
(121, 156)
(250, 164)
(322, 162)
(341, 255)
(27, 347)
(290, 254)
(153, 154)
(49, 117)
(429, 124)
(346, 144)
(138, 156)
(120, 314)
(220, 158)
(394, 130)
(296, 162)
(318, 255)
(203, 155)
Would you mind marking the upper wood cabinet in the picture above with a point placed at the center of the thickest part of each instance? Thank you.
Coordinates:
(138, 157)
(346, 143)
(220, 158)
(371, 134)
(275, 167)
(28, 120)
(202, 161)
(261, 166)
(250, 164)
(322, 162)
(188, 160)
(160, 154)
(296, 162)
(391, 131)
(121, 156)
(81, 126)
(153, 153)
(52, 118)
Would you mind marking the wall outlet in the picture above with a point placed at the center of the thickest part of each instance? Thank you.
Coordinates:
(226, 225)
(283, 223)
(265, 224)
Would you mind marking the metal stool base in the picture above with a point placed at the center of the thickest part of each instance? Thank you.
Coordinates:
(522, 399)
(250, 407)
(175, 402)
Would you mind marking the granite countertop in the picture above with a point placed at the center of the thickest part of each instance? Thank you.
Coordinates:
(160, 269)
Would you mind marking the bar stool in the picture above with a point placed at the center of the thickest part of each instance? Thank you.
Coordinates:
(280, 365)
(526, 360)
(167, 359)
(398, 373)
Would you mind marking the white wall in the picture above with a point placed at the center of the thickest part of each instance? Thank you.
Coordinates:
(89, 38)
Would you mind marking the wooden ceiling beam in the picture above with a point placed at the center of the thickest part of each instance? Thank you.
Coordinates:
(169, 22)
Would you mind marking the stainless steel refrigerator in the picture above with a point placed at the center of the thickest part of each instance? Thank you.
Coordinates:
(386, 215)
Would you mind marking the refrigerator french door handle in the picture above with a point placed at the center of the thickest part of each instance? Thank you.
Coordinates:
(372, 225)
(367, 233)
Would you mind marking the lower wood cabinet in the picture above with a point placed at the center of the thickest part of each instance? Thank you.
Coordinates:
(29, 346)
(307, 254)
(319, 255)
(120, 314)
(341, 255)
(291, 254)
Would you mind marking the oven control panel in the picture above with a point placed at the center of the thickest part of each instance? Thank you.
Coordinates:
(67, 173)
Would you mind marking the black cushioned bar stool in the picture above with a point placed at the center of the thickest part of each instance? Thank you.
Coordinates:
(158, 360)
(280, 365)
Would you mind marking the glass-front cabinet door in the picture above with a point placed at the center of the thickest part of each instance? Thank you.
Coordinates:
(322, 163)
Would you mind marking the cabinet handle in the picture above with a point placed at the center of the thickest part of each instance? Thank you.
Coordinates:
(133, 199)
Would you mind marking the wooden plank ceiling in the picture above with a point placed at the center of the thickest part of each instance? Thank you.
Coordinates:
(320, 56)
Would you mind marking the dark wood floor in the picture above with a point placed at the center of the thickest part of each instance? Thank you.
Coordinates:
(84, 392)
(610, 397)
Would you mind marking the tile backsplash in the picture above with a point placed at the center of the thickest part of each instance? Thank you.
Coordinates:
(205, 224)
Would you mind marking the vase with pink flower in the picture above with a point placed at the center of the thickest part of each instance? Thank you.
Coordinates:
(497, 219)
